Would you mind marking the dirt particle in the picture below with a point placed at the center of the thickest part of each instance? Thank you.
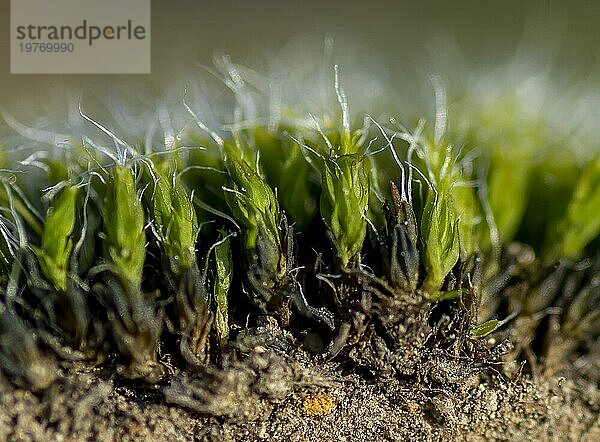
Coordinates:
(412, 407)
(319, 404)
(492, 402)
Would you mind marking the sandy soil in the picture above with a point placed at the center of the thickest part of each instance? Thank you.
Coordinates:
(266, 395)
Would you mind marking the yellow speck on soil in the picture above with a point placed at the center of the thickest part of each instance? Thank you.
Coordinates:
(319, 404)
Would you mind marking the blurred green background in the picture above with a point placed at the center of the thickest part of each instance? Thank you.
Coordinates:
(401, 33)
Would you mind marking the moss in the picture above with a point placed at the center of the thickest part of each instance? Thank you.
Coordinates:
(193, 245)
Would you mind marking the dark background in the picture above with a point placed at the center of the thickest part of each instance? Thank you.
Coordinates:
(400, 32)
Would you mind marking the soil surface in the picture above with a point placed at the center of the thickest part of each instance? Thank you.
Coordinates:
(268, 395)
